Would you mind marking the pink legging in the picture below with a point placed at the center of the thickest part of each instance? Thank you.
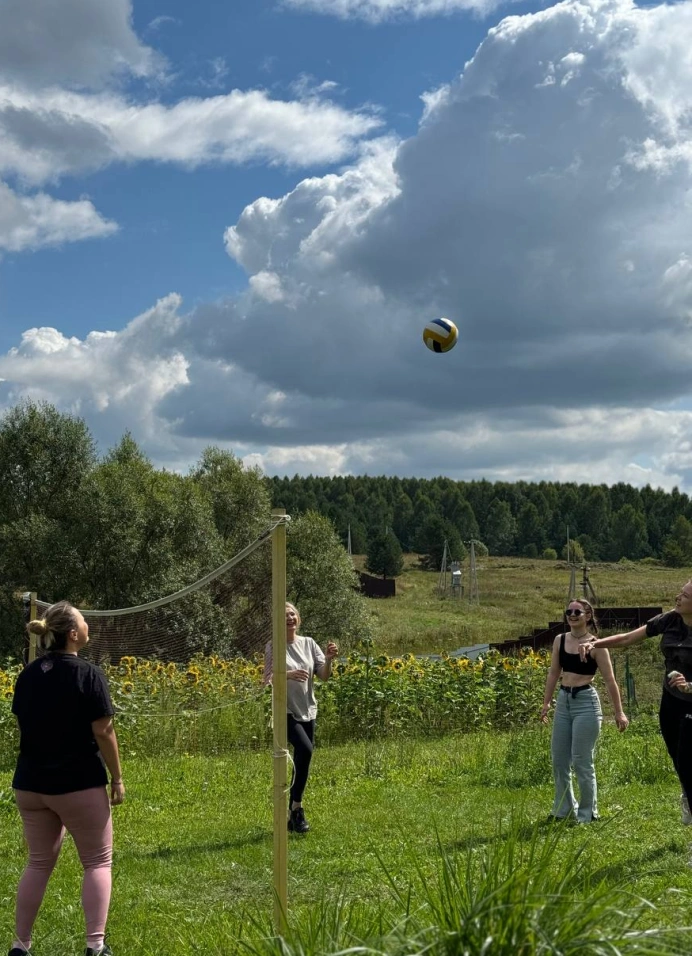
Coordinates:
(86, 815)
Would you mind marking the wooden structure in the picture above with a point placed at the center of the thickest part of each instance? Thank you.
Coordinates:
(374, 587)
(609, 619)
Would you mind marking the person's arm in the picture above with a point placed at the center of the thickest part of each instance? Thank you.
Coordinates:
(615, 640)
(621, 640)
(552, 679)
(104, 735)
(324, 669)
(605, 666)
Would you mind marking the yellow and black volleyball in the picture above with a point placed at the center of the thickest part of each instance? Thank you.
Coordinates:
(440, 335)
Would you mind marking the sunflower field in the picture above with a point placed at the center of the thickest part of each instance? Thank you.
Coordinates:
(212, 705)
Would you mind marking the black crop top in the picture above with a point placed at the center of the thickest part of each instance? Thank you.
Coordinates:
(573, 664)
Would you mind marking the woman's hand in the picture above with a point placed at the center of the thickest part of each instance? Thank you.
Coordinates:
(544, 713)
(332, 651)
(297, 674)
(678, 681)
(586, 648)
(117, 792)
(622, 721)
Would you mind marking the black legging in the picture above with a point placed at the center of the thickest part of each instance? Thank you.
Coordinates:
(301, 733)
(675, 720)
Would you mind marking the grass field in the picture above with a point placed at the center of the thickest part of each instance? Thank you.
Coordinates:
(435, 846)
(193, 848)
(516, 595)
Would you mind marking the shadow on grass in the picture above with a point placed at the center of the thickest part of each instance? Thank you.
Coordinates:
(521, 832)
(638, 866)
(169, 852)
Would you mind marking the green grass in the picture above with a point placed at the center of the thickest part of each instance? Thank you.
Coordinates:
(516, 595)
(396, 827)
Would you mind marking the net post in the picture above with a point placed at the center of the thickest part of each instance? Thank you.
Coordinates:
(279, 721)
(33, 638)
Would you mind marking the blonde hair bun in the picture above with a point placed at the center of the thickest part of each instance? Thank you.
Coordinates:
(38, 627)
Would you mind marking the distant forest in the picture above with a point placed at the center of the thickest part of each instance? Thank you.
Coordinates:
(520, 518)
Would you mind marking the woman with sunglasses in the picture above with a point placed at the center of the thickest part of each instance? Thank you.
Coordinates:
(578, 716)
(675, 713)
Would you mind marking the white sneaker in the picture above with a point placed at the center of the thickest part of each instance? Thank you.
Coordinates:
(685, 807)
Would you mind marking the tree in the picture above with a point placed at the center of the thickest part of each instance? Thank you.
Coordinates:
(45, 458)
(430, 542)
(500, 528)
(145, 533)
(576, 552)
(677, 547)
(628, 534)
(385, 556)
(323, 583)
(239, 497)
(530, 530)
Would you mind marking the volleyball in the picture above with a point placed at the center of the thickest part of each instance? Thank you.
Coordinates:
(440, 335)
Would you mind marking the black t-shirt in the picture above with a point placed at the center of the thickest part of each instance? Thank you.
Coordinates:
(56, 698)
(676, 647)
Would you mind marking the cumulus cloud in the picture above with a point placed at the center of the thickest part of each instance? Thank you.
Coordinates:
(73, 43)
(524, 210)
(377, 11)
(30, 222)
(51, 133)
(114, 379)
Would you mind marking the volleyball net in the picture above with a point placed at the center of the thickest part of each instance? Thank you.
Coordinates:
(186, 671)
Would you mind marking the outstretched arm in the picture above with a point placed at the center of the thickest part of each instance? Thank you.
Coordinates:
(615, 640)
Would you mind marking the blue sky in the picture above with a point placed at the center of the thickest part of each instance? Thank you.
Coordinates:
(172, 219)
(229, 223)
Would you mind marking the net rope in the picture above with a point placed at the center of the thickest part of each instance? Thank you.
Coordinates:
(186, 670)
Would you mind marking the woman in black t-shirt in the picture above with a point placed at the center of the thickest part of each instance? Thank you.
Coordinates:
(578, 717)
(675, 714)
(67, 741)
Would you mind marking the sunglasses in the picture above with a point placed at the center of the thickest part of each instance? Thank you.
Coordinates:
(574, 612)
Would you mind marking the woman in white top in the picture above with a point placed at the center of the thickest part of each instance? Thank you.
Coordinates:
(304, 659)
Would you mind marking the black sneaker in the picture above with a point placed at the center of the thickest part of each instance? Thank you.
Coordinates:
(18, 951)
(104, 951)
(297, 822)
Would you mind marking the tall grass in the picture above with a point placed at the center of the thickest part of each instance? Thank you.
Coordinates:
(529, 891)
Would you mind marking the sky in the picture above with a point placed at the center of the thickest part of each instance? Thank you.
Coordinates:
(228, 224)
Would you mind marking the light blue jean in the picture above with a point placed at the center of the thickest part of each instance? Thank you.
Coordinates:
(576, 727)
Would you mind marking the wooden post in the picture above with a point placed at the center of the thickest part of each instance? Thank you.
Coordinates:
(279, 711)
(33, 638)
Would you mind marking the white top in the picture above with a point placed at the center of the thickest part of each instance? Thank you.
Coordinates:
(301, 654)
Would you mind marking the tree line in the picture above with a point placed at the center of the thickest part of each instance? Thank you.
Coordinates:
(113, 531)
(605, 523)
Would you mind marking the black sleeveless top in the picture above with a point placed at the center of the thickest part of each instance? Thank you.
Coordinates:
(573, 664)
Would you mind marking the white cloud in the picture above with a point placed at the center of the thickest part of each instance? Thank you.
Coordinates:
(30, 222)
(519, 211)
(52, 133)
(113, 378)
(158, 22)
(72, 43)
(378, 11)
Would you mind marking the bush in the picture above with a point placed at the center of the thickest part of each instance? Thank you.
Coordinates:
(576, 552)
(550, 554)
